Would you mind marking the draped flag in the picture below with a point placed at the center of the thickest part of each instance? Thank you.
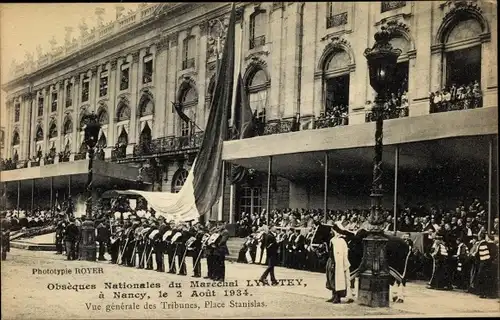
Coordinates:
(243, 127)
(180, 112)
(202, 188)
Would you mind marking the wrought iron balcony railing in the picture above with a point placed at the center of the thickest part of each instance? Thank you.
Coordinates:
(464, 103)
(336, 20)
(257, 42)
(394, 113)
(331, 121)
(276, 127)
(80, 156)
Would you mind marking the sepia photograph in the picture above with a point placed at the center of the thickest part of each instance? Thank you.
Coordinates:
(203, 160)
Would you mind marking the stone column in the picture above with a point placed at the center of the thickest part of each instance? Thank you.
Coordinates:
(113, 86)
(134, 84)
(60, 115)
(423, 79)
(277, 61)
(9, 128)
(25, 125)
(76, 80)
(171, 83)
(161, 104)
(201, 66)
(310, 96)
(46, 112)
(94, 88)
(34, 101)
(290, 61)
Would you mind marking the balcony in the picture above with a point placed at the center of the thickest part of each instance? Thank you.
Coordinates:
(277, 127)
(391, 5)
(336, 20)
(80, 156)
(188, 63)
(461, 98)
(257, 42)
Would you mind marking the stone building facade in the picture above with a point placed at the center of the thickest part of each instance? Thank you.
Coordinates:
(298, 61)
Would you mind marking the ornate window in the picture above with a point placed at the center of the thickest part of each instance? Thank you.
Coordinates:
(15, 138)
(85, 89)
(103, 116)
(146, 106)
(251, 200)
(102, 142)
(463, 66)
(123, 138)
(69, 95)
(179, 179)
(124, 77)
(336, 89)
(53, 105)
(40, 106)
(147, 73)
(336, 14)
(103, 84)
(145, 139)
(52, 130)
(39, 134)
(17, 112)
(257, 29)
(68, 126)
(189, 99)
(189, 52)
(258, 93)
(123, 112)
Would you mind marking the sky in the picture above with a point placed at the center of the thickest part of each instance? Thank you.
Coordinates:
(24, 26)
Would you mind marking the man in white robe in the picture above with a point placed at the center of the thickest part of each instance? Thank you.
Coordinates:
(337, 267)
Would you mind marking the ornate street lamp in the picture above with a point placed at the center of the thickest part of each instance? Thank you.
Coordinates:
(374, 271)
(88, 247)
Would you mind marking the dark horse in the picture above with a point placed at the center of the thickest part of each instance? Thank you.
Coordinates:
(397, 254)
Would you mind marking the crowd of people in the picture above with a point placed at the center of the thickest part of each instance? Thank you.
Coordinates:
(461, 97)
(460, 230)
(20, 219)
(7, 164)
(395, 107)
(335, 116)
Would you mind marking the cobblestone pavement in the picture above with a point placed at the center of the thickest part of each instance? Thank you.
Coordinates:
(26, 294)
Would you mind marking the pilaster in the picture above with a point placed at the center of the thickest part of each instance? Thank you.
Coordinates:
(161, 104)
(309, 52)
(134, 84)
(76, 113)
(114, 83)
(202, 75)
(277, 61)
(291, 62)
(171, 83)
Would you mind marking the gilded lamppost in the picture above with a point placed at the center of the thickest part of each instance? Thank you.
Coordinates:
(374, 270)
(88, 247)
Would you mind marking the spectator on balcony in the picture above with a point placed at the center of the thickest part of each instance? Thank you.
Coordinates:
(453, 92)
(437, 100)
(404, 105)
(476, 92)
(446, 99)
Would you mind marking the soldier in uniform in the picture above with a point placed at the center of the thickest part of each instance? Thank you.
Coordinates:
(220, 253)
(290, 240)
(159, 245)
(171, 249)
(209, 252)
(139, 244)
(103, 234)
(148, 248)
(71, 236)
(5, 237)
(197, 232)
(299, 250)
(130, 246)
(182, 250)
(114, 247)
(60, 226)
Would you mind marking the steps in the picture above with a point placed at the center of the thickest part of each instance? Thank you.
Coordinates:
(234, 245)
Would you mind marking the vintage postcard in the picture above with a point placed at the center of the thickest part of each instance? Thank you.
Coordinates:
(249, 160)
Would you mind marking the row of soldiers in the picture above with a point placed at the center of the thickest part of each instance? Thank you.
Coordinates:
(295, 250)
(140, 241)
